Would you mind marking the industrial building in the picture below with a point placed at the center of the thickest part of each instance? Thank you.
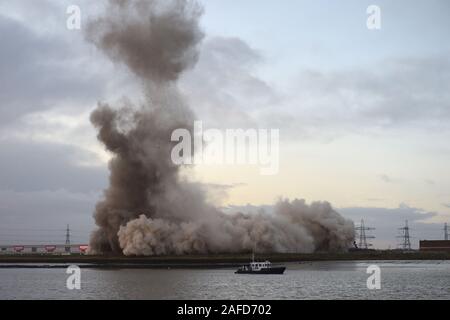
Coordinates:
(40, 249)
(44, 249)
(435, 245)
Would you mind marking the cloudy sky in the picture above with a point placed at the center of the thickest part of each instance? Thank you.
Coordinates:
(363, 114)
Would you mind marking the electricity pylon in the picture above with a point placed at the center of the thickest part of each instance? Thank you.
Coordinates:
(406, 241)
(361, 231)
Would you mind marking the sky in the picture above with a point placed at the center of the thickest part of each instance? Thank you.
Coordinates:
(363, 114)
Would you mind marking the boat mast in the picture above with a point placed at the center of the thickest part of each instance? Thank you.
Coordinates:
(253, 252)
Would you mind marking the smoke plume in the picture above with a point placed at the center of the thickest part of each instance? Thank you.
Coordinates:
(148, 209)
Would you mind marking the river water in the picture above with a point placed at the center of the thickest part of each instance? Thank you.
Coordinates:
(309, 280)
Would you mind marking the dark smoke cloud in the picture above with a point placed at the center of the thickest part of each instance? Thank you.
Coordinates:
(295, 227)
(148, 209)
(156, 39)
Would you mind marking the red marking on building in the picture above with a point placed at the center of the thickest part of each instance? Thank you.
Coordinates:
(50, 248)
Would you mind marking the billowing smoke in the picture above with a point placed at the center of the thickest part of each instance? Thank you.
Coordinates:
(148, 209)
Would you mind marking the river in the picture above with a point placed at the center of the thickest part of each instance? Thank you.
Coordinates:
(308, 280)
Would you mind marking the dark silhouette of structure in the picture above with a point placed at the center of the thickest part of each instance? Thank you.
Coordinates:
(361, 232)
(446, 232)
(67, 249)
(405, 237)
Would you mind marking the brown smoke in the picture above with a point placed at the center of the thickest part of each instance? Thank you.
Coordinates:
(147, 208)
(156, 39)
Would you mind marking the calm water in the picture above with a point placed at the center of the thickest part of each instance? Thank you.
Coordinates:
(316, 280)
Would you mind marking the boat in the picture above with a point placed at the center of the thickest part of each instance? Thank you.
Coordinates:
(255, 267)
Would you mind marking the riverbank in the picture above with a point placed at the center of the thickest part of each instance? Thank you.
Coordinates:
(204, 261)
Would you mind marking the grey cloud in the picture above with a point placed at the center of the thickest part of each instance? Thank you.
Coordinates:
(224, 87)
(390, 93)
(39, 71)
(393, 93)
(28, 166)
(385, 178)
(411, 93)
(41, 187)
(388, 217)
(413, 90)
(32, 211)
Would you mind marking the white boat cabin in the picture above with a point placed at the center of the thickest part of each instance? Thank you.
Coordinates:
(255, 266)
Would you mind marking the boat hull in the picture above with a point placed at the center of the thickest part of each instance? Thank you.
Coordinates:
(274, 270)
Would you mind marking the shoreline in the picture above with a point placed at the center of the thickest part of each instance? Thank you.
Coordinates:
(202, 261)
